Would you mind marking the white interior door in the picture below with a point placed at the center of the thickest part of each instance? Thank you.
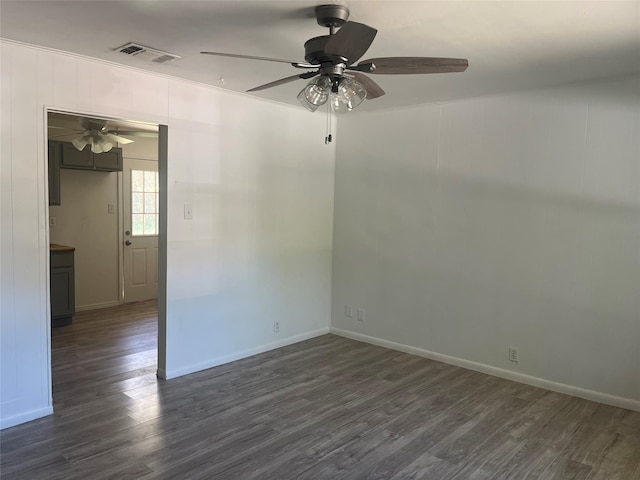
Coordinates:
(140, 189)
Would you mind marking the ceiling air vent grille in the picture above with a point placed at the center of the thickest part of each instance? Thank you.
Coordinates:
(131, 49)
(146, 54)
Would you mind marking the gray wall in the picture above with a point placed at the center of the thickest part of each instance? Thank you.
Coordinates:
(468, 227)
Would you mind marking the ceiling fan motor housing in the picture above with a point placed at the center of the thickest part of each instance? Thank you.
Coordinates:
(314, 50)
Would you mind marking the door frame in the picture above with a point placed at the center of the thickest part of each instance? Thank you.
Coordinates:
(163, 131)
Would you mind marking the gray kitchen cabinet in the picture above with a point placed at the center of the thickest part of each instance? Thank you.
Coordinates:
(62, 293)
(72, 158)
(110, 161)
(55, 151)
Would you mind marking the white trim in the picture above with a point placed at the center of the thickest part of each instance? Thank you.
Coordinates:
(592, 395)
(214, 362)
(25, 417)
(45, 258)
(98, 306)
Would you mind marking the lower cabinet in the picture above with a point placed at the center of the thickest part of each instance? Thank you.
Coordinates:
(62, 288)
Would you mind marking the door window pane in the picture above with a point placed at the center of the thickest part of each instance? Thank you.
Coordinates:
(150, 227)
(150, 203)
(144, 203)
(150, 181)
(137, 225)
(137, 202)
(137, 181)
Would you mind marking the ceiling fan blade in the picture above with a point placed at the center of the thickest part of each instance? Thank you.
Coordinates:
(63, 135)
(373, 89)
(350, 42)
(266, 59)
(412, 65)
(117, 138)
(134, 133)
(64, 128)
(282, 81)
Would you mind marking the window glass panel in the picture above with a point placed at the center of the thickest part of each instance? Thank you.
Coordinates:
(150, 224)
(150, 181)
(137, 225)
(137, 181)
(136, 202)
(149, 203)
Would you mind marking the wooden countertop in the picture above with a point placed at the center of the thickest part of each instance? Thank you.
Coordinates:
(54, 247)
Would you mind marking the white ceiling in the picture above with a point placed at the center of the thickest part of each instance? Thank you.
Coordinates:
(511, 45)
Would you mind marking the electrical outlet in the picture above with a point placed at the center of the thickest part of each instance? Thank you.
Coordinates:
(361, 314)
(52, 222)
(348, 311)
(513, 354)
(276, 327)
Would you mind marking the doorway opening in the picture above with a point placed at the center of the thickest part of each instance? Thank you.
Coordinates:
(105, 176)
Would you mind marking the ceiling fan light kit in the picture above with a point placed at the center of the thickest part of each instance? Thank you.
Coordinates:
(345, 94)
(99, 144)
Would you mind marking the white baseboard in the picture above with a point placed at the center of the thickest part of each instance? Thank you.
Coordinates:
(25, 417)
(97, 306)
(592, 395)
(214, 362)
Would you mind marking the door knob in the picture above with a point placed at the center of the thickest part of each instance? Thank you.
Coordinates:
(127, 233)
(127, 243)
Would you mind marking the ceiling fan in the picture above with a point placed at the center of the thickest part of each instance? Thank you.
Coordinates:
(336, 78)
(94, 132)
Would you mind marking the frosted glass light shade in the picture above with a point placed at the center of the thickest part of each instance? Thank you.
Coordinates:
(100, 145)
(80, 142)
(95, 146)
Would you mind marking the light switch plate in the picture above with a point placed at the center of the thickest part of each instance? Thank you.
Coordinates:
(188, 211)
(111, 208)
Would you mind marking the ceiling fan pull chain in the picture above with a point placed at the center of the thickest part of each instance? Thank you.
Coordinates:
(330, 120)
(327, 139)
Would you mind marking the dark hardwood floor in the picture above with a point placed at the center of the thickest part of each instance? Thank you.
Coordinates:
(327, 408)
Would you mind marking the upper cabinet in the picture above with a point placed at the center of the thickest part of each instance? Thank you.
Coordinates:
(110, 161)
(65, 155)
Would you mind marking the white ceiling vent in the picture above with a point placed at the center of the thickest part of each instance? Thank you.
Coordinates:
(146, 54)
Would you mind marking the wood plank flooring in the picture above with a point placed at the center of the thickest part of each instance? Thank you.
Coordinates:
(327, 408)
